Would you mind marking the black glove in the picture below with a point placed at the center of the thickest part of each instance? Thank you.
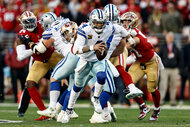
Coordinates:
(25, 39)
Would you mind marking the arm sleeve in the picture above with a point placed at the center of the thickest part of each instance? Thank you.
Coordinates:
(79, 43)
(47, 34)
(22, 52)
(121, 30)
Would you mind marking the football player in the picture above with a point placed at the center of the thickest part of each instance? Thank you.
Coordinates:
(96, 35)
(62, 41)
(42, 62)
(119, 61)
(61, 71)
(118, 50)
(147, 62)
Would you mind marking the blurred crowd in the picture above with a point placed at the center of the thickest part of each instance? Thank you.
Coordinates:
(157, 18)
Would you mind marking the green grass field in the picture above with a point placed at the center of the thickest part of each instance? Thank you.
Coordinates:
(126, 118)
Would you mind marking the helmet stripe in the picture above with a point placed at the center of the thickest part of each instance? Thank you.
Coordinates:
(98, 13)
(112, 13)
(27, 14)
(52, 16)
(101, 14)
(109, 13)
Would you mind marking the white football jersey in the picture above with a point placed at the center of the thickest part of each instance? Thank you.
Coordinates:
(60, 44)
(119, 33)
(86, 36)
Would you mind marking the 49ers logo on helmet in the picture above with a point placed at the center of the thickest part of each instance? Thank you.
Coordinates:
(133, 16)
(68, 24)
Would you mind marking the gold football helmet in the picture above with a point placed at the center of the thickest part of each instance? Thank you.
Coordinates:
(28, 21)
(68, 30)
(129, 16)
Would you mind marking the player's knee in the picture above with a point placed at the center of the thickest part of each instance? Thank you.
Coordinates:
(101, 77)
(55, 86)
(52, 79)
(30, 84)
(76, 88)
(151, 87)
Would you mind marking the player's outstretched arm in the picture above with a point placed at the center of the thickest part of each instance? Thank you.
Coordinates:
(136, 42)
(97, 47)
(22, 52)
(42, 46)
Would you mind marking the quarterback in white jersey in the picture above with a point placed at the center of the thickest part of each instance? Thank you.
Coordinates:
(96, 35)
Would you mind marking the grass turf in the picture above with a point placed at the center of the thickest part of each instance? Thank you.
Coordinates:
(126, 118)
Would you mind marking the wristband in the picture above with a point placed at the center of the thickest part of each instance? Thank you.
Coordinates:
(92, 48)
(32, 47)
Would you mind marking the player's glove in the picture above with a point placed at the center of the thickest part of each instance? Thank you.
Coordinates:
(25, 39)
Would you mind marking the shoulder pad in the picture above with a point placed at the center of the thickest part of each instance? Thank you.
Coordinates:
(83, 29)
(47, 34)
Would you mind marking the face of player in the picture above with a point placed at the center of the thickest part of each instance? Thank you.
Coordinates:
(126, 24)
(98, 25)
(70, 37)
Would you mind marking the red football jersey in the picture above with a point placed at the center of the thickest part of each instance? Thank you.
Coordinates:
(144, 50)
(35, 36)
(8, 20)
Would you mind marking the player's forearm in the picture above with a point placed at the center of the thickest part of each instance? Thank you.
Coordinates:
(80, 50)
(130, 39)
(42, 46)
(120, 48)
(22, 52)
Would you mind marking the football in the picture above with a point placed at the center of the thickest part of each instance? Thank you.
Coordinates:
(100, 55)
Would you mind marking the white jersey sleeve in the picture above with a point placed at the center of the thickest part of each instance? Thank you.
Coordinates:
(22, 52)
(86, 36)
(81, 39)
(60, 43)
(47, 34)
(121, 30)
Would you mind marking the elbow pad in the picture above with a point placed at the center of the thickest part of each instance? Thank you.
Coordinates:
(40, 47)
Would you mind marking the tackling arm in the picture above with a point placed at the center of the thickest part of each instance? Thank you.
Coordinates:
(136, 40)
(42, 46)
(22, 52)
